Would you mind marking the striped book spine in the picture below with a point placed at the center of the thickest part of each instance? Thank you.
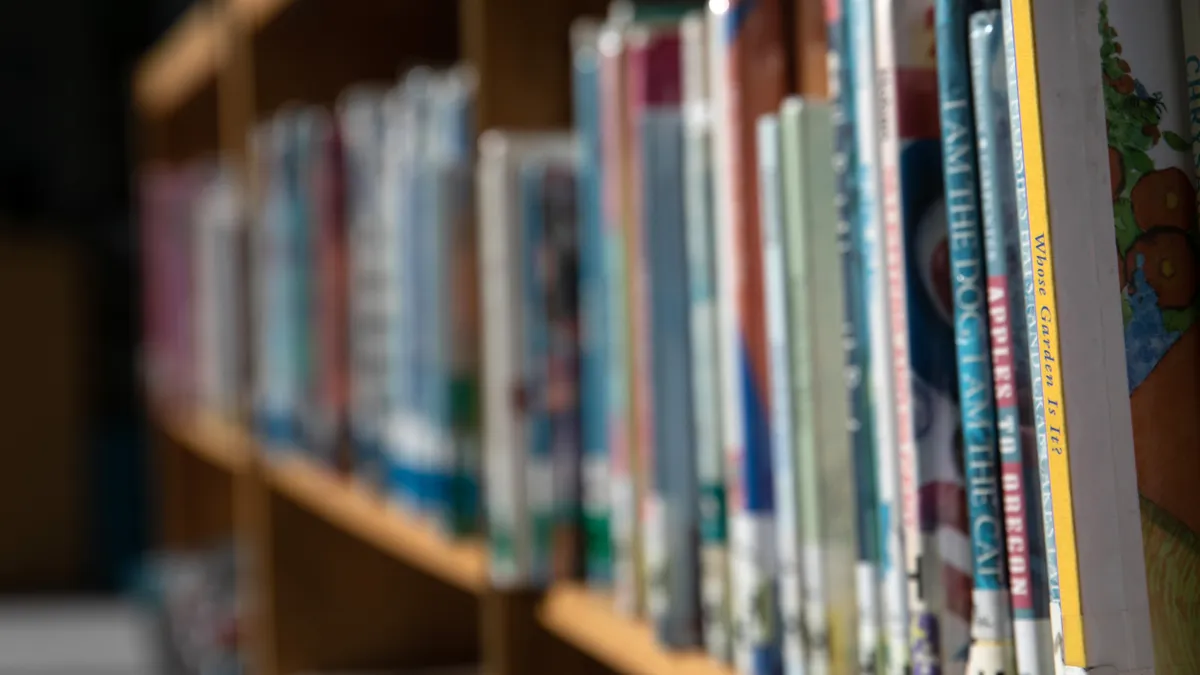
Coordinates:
(754, 65)
(614, 133)
(698, 210)
(595, 351)
(1010, 358)
(779, 371)
(989, 612)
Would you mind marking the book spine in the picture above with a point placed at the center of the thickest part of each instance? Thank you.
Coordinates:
(1190, 14)
(556, 281)
(626, 523)
(594, 343)
(458, 369)
(640, 75)
(1022, 102)
(539, 467)
(819, 385)
(360, 119)
(991, 648)
(755, 71)
(779, 370)
(698, 210)
(672, 510)
(894, 612)
(1014, 403)
(504, 428)
(842, 57)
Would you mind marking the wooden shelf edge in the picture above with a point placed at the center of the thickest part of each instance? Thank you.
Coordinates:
(179, 65)
(219, 442)
(369, 517)
(587, 620)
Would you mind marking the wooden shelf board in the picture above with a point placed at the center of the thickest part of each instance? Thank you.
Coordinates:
(369, 517)
(587, 621)
(181, 64)
(220, 443)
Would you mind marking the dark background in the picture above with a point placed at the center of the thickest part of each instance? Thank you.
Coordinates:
(67, 152)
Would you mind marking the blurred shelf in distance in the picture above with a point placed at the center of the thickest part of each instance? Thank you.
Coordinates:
(220, 443)
(179, 65)
(347, 505)
(586, 620)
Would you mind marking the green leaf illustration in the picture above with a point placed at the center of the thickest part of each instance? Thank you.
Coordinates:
(1176, 141)
(1138, 161)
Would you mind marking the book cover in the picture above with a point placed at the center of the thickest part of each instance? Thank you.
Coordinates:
(1153, 181)
(595, 351)
(989, 611)
(789, 536)
(698, 211)
(1021, 489)
(843, 55)
(823, 462)
(671, 509)
(754, 71)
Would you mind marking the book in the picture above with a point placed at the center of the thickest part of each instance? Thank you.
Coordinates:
(1191, 64)
(1020, 482)
(698, 210)
(328, 437)
(457, 366)
(989, 613)
(753, 74)
(360, 117)
(893, 579)
(1121, 614)
(520, 485)
(920, 308)
(310, 127)
(824, 461)
(595, 351)
(859, 421)
(615, 132)
(789, 533)
(671, 509)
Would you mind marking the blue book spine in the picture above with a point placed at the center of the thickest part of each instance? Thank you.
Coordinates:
(539, 469)
(402, 339)
(277, 403)
(840, 20)
(1010, 357)
(991, 623)
(594, 358)
(1030, 325)
(673, 538)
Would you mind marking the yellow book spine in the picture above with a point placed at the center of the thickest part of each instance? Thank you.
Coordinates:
(1055, 412)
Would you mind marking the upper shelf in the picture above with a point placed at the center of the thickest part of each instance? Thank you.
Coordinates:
(306, 50)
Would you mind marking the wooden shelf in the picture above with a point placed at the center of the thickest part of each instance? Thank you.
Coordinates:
(222, 444)
(587, 621)
(353, 509)
(180, 65)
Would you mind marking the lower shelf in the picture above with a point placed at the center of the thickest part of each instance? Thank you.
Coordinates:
(369, 517)
(587, 621)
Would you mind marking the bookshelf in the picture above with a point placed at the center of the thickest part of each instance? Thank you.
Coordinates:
(587, 620)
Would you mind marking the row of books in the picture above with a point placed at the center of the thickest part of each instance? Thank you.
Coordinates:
(776, 345)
